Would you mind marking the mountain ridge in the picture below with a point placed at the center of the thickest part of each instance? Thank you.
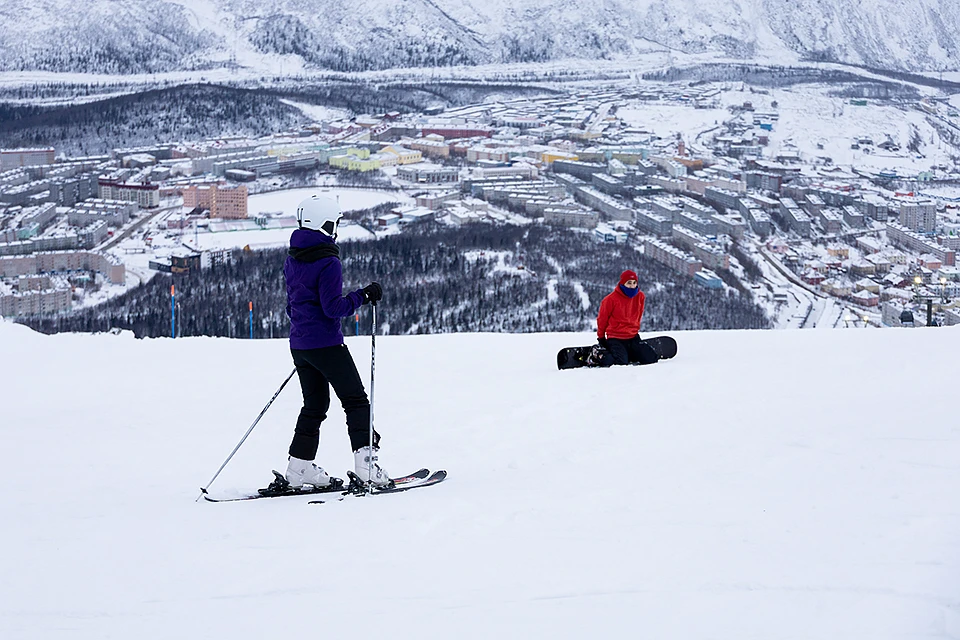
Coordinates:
(149, 36)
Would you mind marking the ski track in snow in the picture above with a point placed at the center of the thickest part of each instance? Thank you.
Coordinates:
(584, 298)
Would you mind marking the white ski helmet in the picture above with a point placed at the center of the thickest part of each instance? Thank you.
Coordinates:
(319, 213)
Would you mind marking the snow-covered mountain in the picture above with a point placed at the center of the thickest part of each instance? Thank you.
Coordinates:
(129, 36)
(765, 484)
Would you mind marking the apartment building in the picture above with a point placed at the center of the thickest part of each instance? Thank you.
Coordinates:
(581, 218)
(670, 185)
(764, 181)
(731, 224)
(15, 158)
(145, 194)
(830, 220)
(698, 183)
(434, 201)
(874, 206)
(672, 257)
(905, 238)
(611, 207)
(710, 255)
(477, 153)
(583, 170)
(522, 170)
(854, 217)
(457, 131)
(428, 174)
(223, 201)
(654, 223)
(610, 185)
(43, 295)
(794, 218)
(114, 212)
(918, 215)
(759, 221)
(797, 221)
(429, 148)
(666, 207)
(723, 197)
(109, 266)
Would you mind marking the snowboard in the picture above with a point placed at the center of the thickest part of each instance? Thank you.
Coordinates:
(575, 357)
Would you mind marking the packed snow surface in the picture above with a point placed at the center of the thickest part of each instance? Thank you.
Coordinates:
(286, 200)
(789, 485)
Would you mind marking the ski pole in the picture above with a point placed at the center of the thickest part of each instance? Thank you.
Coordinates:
(373, 368)
(203, 490)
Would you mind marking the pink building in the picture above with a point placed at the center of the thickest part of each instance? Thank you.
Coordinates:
(223, 201)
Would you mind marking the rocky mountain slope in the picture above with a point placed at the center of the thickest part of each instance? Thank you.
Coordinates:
(137, 36)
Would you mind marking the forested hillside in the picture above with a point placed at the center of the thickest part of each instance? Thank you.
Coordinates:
(436, 279)
(203, 111)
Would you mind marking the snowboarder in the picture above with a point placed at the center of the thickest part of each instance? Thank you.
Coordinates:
(315, 305)
(618, 324)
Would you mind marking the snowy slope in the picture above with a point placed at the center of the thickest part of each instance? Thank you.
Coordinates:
(130, 36)
(788, 485)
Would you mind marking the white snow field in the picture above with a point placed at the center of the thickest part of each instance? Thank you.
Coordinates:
(762, 485)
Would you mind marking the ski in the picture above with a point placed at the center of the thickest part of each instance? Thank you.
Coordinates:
(278, 488)
(357, 487)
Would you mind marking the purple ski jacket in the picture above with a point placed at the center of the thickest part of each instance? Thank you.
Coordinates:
(315, 300)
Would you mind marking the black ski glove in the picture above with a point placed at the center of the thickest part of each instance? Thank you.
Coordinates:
(603, 343)
(373, 292)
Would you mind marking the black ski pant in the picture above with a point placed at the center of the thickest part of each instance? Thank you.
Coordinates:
(318, 370)
(630, 351)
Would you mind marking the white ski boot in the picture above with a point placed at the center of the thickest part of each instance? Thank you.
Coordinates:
(367, 469)
(301, 472)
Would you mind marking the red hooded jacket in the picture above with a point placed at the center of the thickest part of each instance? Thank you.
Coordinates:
(619, 315)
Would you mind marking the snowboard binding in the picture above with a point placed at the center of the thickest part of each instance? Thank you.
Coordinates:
(597, 357)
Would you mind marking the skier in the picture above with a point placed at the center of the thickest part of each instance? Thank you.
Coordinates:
(315, 305)
(618, 324)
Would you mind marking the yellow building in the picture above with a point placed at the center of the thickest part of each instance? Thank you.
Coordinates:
(368, 164)
(838, 251)
(403, 155)
(549, 156)
(628, 157)
(358, 152)
(339, 162)
(353, 163)
(592, 155)
(386, 159)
